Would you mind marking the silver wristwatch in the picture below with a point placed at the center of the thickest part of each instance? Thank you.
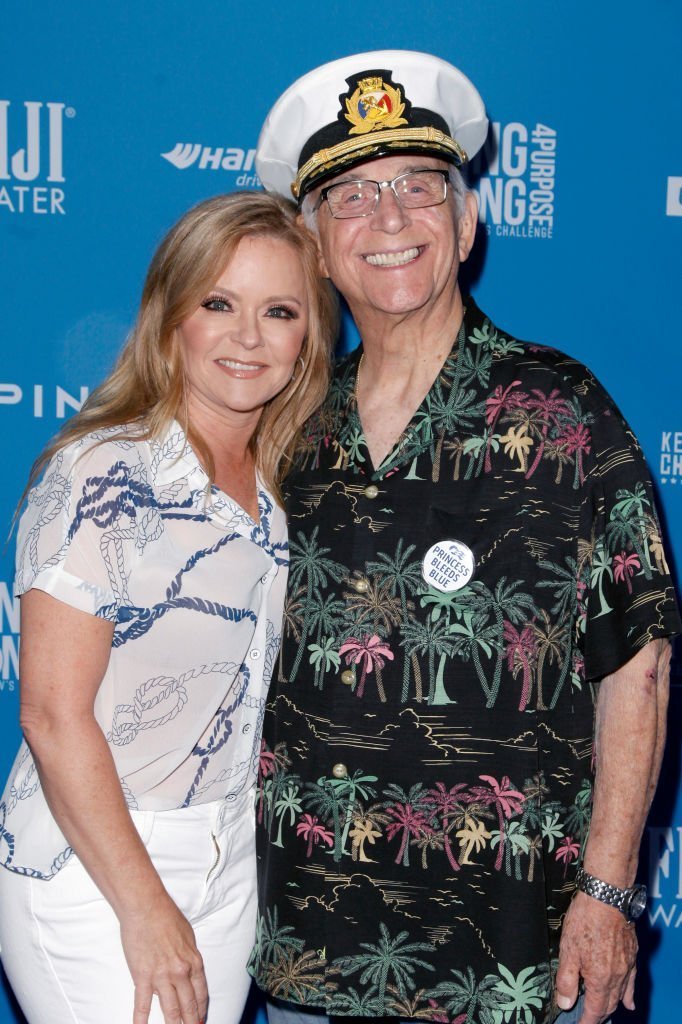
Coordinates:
(631, 902)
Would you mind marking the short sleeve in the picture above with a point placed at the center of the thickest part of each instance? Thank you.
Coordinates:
(76, 538)
(628, 592)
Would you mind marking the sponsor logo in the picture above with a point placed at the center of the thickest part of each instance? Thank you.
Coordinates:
(221, 158)
(516, 188)
(44, 401)
(671, 457)
(665, 876)
(673, 204)
(9, 639)
(32, 157)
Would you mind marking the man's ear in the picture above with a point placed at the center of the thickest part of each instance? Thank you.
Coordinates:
(466, 228)
(315, 235)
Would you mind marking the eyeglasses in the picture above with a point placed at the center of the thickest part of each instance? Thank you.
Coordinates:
(360, 198)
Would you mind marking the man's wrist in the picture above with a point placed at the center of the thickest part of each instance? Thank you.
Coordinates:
(630, 901)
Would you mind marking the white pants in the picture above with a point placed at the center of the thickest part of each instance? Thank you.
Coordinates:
(60, 940)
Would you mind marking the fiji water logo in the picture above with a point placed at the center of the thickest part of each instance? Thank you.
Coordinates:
(32, 157)
(9, 639)
(665, 876)
(670, 464)
(220, 158)
(517, 175)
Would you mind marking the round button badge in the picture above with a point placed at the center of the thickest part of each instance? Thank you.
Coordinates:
(448, 565)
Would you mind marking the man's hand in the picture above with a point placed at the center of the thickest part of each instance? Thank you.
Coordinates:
(599, 946)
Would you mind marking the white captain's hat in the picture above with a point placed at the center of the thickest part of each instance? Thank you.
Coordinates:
(365, 106)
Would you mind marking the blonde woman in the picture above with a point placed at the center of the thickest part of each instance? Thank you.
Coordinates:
(151, 563)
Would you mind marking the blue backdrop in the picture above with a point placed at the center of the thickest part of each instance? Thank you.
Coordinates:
(115, 118)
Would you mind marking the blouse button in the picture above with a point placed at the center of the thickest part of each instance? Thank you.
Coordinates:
(254, 654)
(360, 585)
(348, 677)
(371, 491)
(339, 771)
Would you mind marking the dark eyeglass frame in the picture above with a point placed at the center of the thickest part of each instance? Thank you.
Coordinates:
(381, 185)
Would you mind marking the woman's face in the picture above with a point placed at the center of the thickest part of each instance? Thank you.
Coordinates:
(241, 345)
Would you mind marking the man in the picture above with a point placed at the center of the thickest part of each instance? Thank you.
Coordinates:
(477, 614)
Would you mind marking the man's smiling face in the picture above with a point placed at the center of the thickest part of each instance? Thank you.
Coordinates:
(395, 261)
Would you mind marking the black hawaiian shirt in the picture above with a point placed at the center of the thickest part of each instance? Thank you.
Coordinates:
(426, 769)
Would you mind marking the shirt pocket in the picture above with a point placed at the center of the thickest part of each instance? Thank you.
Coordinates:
(484, 627)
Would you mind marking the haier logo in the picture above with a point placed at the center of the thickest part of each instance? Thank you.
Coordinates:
(518, 173)
(220, 158)
(32, 150)
(673, 206)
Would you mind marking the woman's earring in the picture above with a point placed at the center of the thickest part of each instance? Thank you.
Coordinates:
(294, 375)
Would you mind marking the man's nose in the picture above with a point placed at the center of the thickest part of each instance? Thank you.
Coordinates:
(389, 215)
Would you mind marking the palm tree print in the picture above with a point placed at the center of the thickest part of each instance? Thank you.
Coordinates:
(624, 568)
(310, 566)
(567, 851)
(294, 978)
(446, 802)
(467, 733)
(399, 577)
(519, 996)
(392, 958)
(272, 940)
(371, 654)
(311, 829)
(472, 837)
(465, 993)
(289, 804)
(504, 799)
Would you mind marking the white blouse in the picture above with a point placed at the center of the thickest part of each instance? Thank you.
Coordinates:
(132, 532)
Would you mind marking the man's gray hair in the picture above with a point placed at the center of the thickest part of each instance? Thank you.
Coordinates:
(457, 184)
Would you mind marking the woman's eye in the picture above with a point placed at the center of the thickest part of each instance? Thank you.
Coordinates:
(282, 313)
(216, 304)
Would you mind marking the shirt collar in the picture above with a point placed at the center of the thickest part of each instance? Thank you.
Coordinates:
(173, 458)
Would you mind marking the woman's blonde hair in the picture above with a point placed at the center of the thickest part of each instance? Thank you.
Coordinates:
(146, 388)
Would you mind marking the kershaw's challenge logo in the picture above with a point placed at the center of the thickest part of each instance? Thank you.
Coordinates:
(32, 151)
(516, 190)
(219, 158)
(671, 456)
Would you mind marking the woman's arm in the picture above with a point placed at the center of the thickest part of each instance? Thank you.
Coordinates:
(64, 655)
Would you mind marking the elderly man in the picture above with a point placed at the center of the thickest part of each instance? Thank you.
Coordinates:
(474, 660)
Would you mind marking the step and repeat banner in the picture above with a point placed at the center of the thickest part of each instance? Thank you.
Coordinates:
(115, 118)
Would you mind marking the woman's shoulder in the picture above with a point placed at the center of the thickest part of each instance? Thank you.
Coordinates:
(99, 450)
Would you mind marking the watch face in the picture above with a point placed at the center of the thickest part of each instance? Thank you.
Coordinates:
(637, 902)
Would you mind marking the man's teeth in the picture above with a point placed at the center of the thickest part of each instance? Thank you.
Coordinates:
(234, 365)
(392, 259)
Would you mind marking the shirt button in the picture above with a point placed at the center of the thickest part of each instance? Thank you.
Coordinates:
(371, 491)
(348, 677)
(246, 728)
(264, 579)
(339, 771)
(361, 585)
(254, 654)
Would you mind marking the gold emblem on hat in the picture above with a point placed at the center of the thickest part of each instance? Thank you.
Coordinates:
(374, 105)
